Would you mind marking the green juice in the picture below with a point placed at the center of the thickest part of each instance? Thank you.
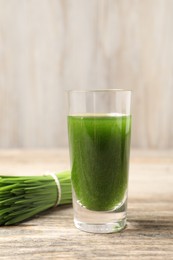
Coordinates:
(99, 150)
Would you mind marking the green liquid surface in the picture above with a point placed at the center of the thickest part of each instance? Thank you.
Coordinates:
(99, 150)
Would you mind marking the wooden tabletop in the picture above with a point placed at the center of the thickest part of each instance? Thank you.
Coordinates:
(52, 235)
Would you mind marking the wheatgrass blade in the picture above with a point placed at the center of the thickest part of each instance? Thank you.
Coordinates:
(22, 197)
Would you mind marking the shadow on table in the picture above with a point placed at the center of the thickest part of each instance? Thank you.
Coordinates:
(150, 225)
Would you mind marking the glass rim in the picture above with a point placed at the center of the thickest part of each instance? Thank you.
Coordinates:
(97, 90)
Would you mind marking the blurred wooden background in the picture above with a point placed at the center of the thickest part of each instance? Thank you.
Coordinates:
(49, 46)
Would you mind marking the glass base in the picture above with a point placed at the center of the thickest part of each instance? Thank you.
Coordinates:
(101, 228)
(100, 221)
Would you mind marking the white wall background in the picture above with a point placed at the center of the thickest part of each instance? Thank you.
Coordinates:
(48, 46)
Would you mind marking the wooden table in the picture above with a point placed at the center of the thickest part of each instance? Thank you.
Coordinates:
(52, 235)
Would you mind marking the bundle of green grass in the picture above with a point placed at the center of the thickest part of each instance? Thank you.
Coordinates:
(22, 197)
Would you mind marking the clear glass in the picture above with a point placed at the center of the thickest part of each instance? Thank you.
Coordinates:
(99, 130)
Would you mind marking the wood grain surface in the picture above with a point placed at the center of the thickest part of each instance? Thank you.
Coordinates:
(52, 235)
(49, 46)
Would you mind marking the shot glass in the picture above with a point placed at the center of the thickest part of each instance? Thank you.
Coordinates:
(99, 130)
